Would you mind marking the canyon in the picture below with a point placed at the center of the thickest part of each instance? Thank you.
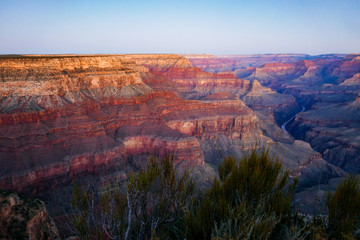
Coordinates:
(327, 86)
(93, 119)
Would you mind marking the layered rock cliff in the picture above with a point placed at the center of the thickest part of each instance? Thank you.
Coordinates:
(192, 82)
(68, 116)
(268, 106)
(326, 85)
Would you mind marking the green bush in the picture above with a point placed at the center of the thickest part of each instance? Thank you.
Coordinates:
(152, 206)
(159, 200)
(344, 209)
(251, 200)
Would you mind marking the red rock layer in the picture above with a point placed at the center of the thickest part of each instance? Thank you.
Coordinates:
(57, 75)
(187, 78)
(61, 120)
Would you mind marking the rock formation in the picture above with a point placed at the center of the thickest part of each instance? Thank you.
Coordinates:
(25, 218)
(191, 82)
(353, 81)
(96, 118)
(327, 86)
(68, 116)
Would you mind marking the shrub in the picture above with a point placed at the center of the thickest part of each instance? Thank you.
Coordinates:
(159, 200)
(344, 209)
(152, 206)
(250, 200)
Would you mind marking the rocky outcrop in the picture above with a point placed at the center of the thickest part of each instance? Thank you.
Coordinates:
(353, 81)
(355, 105)
(37, 83)
(25, 218)
(262, 97)
(58, 75)
(273, 74)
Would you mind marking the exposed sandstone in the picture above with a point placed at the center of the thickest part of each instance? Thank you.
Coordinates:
(69, 116)
(56, 75)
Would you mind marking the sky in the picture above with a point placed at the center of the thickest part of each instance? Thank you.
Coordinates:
(183, 26)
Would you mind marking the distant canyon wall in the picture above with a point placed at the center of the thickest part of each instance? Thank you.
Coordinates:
(327, 86)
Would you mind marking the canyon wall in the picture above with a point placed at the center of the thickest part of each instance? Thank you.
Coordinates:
(326, 85)
(269, 106)
(94, 119)
(65, 117)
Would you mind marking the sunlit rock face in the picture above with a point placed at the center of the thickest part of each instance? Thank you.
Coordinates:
(66, 117)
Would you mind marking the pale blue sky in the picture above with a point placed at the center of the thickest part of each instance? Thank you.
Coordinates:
(185, 26)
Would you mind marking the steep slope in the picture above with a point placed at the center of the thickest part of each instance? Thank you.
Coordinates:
(328, 87)
(68, 116)
(353, 81)
(294, 84)
(191, 82)
(267, 104)
(332, 129)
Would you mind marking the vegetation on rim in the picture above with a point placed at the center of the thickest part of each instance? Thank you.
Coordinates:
(251, 199)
